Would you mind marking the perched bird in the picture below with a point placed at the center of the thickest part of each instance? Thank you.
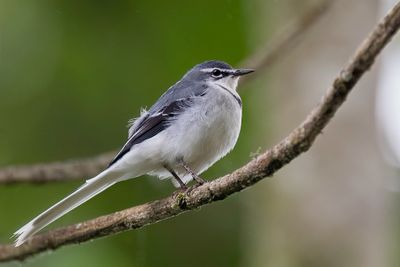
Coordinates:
(193, 124)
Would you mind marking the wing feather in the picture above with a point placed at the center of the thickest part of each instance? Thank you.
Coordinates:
(176, 99)
(151, 125)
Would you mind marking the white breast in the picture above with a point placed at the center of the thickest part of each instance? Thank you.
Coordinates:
(205, 132)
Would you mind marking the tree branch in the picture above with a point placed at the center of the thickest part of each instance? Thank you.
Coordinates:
(56, 171)
(299, 141)
(84, 168)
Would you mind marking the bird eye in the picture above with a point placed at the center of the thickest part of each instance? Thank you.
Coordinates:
(216, 73)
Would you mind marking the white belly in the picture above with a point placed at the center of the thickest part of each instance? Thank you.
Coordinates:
(203, 135)
(200, 136)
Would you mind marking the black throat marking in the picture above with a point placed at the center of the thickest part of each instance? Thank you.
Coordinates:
(238, 100)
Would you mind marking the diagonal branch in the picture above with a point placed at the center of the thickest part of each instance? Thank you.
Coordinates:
(88, 167)
(279, 46)
(299, 141)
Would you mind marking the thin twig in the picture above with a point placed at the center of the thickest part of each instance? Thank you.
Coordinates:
(299, 141)
(287, 39)
(79, 169)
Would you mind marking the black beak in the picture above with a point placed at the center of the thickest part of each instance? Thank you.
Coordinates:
(240, 72)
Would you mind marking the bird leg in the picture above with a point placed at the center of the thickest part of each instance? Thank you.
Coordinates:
(197, 178)
(181, 183)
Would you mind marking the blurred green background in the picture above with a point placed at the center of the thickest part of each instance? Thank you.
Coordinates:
(72, 73)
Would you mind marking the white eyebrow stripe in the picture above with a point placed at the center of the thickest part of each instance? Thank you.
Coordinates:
(209, 70)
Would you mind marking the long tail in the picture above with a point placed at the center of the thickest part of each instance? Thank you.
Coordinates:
(88, 190)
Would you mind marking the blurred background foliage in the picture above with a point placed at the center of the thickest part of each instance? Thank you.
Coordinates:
(72, 73)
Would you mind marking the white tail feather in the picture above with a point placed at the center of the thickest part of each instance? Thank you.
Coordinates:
(88, 190)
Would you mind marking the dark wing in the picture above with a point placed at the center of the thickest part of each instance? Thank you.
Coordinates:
(181, 90)
(177, 98)
(153, 124)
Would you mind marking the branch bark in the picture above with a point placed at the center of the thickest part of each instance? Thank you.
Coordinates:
(78, 169)
(69, 170)
(298, 141)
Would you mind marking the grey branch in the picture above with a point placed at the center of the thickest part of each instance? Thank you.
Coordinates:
(56, 171)
(79, 169)
(266, 164)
